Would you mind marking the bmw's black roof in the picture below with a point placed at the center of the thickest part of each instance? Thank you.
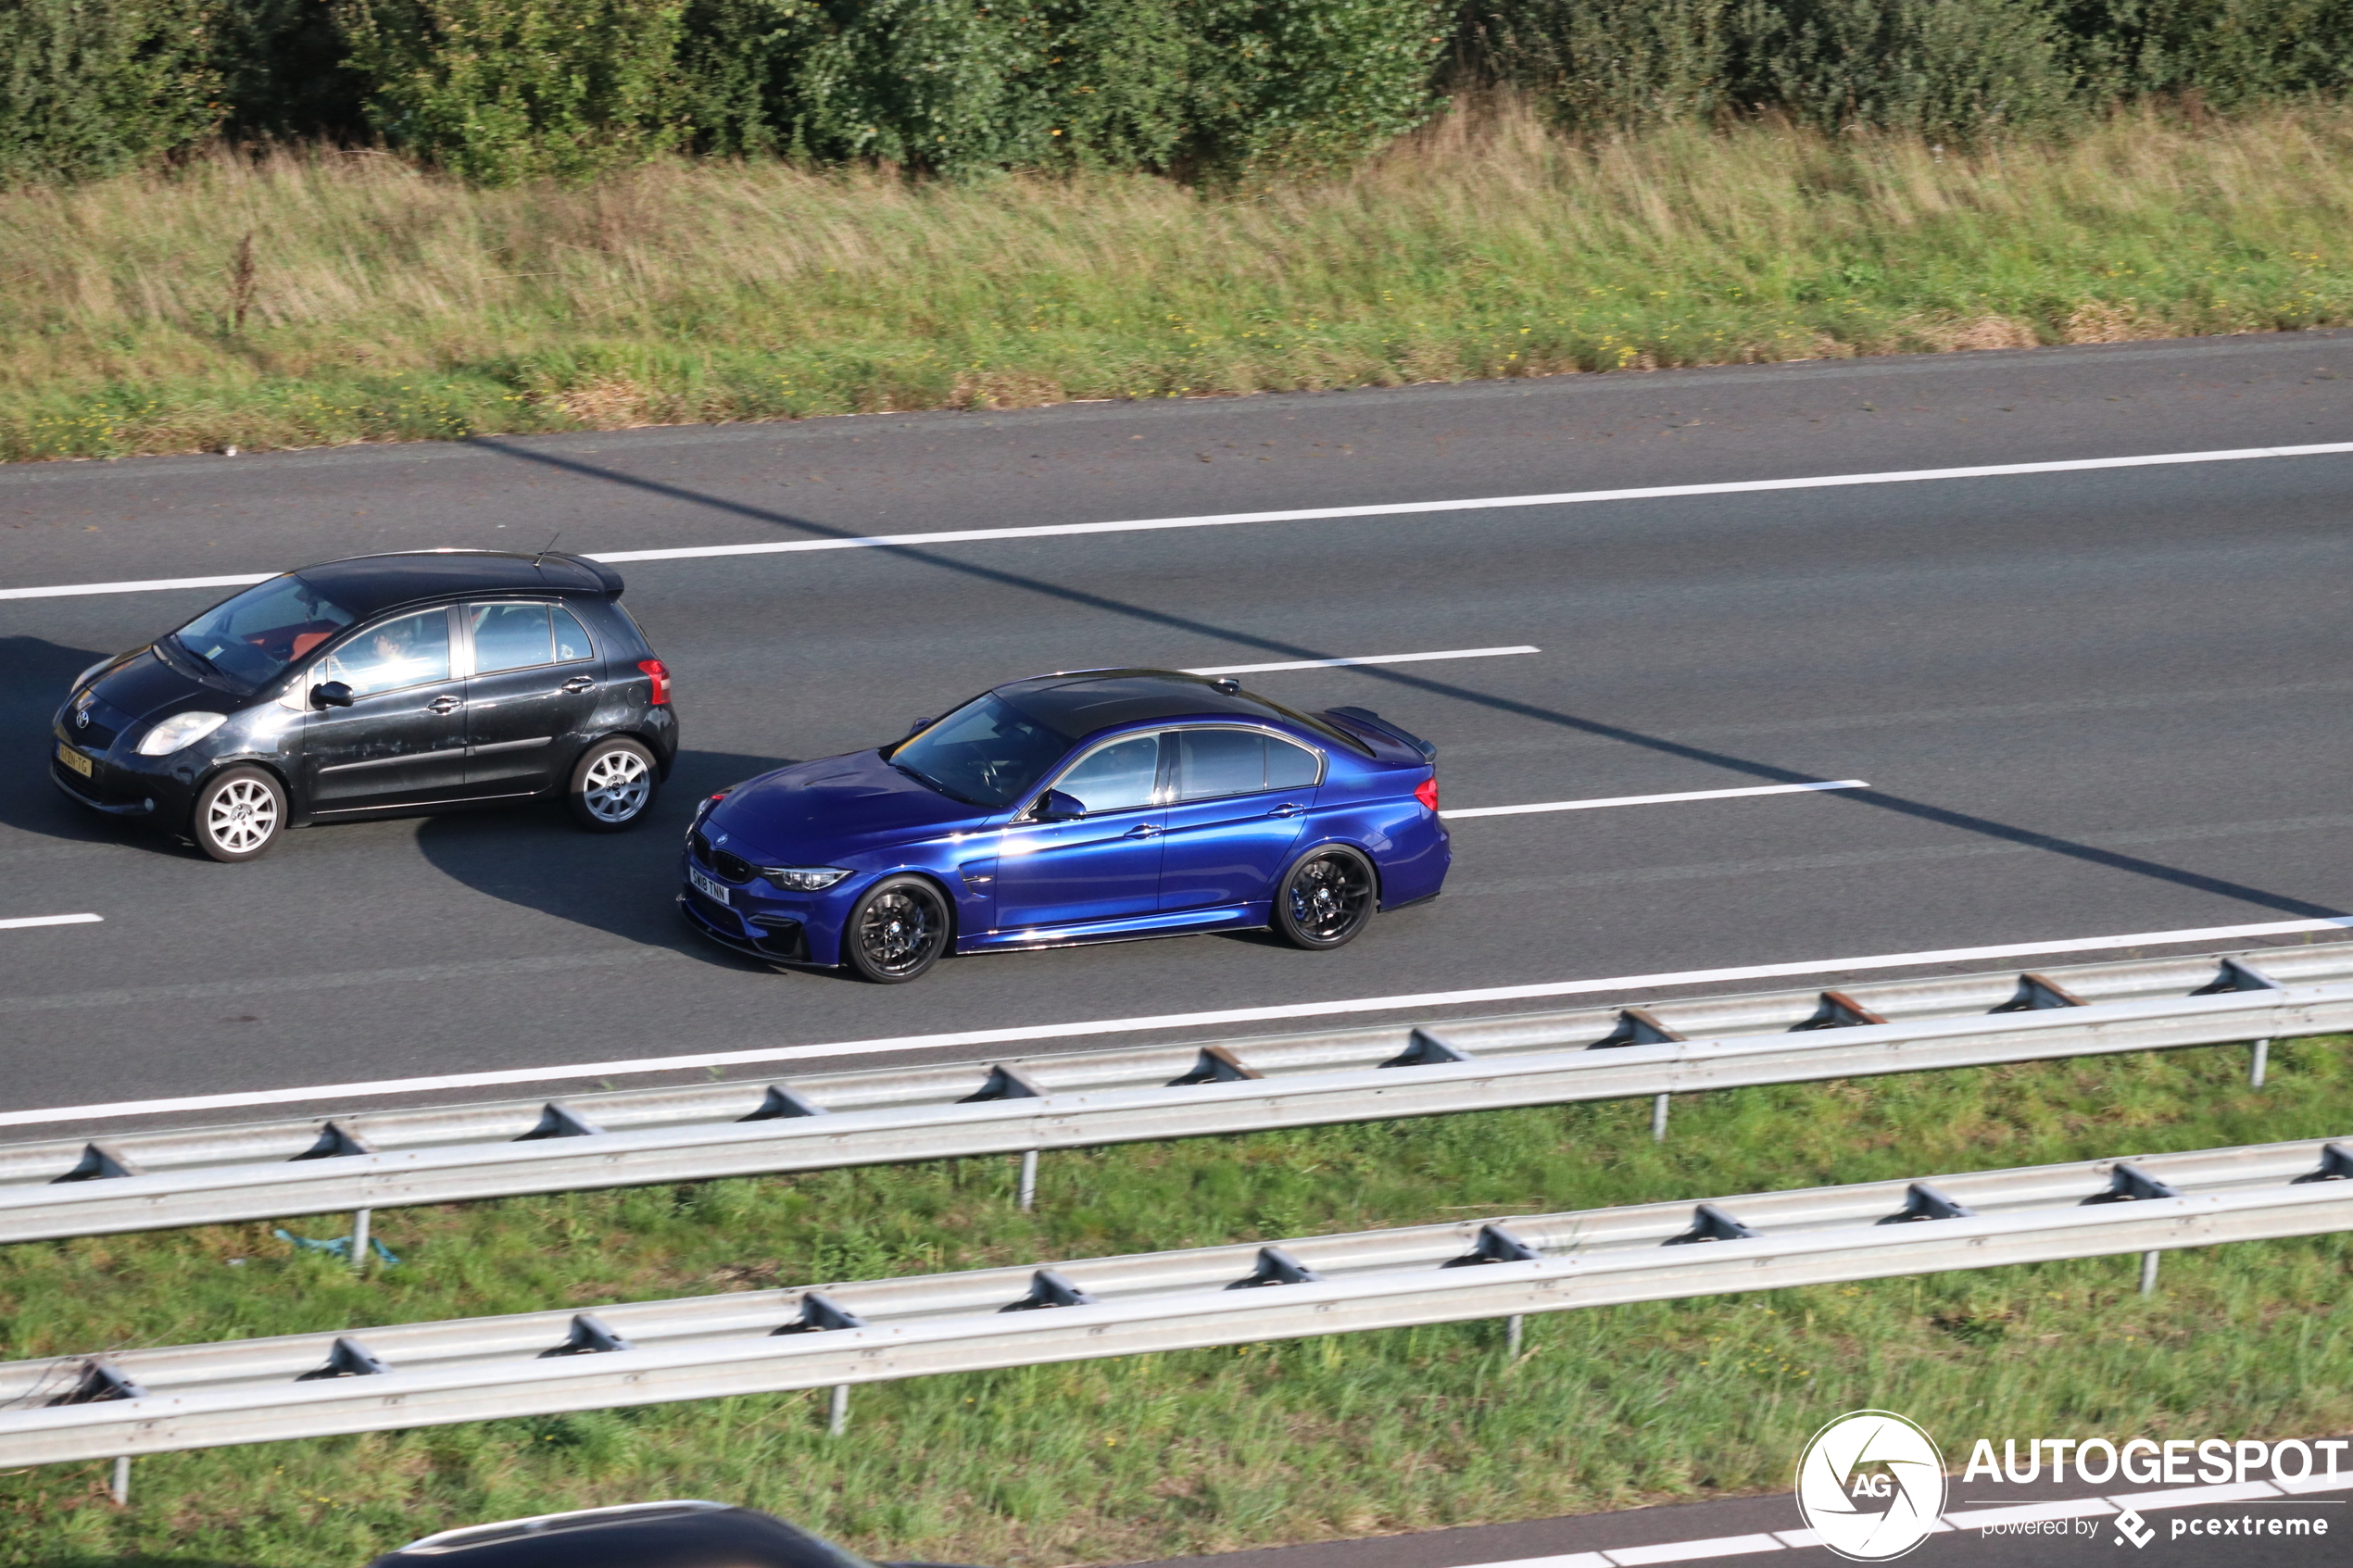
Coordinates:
(673, 1534)
(1082, 702)
(366, 584)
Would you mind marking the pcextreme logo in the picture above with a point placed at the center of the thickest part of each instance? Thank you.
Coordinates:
(1871, 1485)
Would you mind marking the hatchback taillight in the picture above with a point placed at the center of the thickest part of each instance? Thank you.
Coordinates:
(660, 673)
(1426, 792)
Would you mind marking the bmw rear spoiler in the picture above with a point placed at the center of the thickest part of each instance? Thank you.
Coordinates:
(1366, 719)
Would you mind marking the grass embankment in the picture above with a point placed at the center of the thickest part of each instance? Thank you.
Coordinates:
(1201, 1451)
(377, 302)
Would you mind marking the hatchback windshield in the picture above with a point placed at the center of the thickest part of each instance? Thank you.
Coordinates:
(987, 752)
(264, 628)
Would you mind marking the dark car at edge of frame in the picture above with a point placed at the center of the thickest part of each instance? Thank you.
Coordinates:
(1090, 806)
(379, 685)
(681, 1534)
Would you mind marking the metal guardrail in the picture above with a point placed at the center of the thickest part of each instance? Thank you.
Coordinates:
(420, 1374)
(150, 1180)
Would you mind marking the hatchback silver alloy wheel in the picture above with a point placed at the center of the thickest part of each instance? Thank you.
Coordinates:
(617, 786)
(242, 816)
(238, 815)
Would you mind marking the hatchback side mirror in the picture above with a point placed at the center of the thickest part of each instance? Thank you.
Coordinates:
(331, 694)
(1056, 806)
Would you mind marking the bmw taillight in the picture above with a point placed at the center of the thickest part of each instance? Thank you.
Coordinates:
(1426, 792)
(660, 673)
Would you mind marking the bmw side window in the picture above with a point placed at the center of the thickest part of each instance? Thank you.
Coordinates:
(1216, 762)
(407, 651)
(572, 638)
(1292, 767)
(509, 636)
(1119, 776)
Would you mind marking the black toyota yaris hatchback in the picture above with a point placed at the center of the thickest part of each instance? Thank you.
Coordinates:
(383, 684)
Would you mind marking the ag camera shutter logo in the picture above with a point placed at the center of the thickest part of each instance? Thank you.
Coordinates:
(1871, 1485)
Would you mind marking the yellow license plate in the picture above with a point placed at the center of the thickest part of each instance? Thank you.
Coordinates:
(73, 759)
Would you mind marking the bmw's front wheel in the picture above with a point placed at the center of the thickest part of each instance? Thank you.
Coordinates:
(1326, 898)
(897, 932)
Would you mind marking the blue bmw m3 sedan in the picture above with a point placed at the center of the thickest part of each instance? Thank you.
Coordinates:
(1093, 806)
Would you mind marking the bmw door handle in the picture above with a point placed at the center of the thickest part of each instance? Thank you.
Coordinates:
(446, 704)
(1142, 830)
(579, 684)
(1286, 809)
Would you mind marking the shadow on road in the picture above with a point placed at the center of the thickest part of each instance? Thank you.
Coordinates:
(38, 674)
(1875, 799)
(623, 883)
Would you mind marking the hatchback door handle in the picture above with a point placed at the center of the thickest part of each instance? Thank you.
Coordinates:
(1286, 809)
(1142, 830)
(447, 704)
(580, 682)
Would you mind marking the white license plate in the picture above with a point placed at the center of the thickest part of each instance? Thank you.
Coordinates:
(714, 891)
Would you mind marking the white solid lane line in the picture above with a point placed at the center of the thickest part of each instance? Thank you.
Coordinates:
(21, 922)
(1363, 659)
(1313, 514)
(1092, 1027)
(1653, 800)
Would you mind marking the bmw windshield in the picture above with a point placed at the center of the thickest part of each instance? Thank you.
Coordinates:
(987, 753)
(263, 630)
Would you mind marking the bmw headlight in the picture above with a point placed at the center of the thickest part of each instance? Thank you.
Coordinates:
(179, 730)
(804, 879)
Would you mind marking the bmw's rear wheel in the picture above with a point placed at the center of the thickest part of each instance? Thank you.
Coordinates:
(897, 932)
(238, 815)
(612, 785)
(1327, 898)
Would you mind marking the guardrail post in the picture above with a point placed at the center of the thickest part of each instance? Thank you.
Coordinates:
(2148, 1273)
(1513, 1326)
(838, 1413)
(119, 1489)
(359, 1218)
(1028, 1180)
(1659, 1120)
(2262, 1060)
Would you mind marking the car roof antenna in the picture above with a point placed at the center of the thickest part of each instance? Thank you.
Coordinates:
(547, 546)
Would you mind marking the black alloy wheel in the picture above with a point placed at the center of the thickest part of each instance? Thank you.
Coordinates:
(897, 932)
(1327, 898)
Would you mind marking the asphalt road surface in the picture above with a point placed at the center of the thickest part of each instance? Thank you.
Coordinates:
(1768, 1532)
(2091, 701)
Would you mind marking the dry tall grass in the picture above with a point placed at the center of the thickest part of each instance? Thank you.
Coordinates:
(382, 302)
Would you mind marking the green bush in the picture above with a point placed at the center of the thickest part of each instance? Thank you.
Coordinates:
(502, 89)
(88, 87)
(1302, 85)
(1946, 69)
(1616, 63)
(2231, 53)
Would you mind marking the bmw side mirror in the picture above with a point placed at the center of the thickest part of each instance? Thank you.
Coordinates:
(916, 728)
(1056, 806)
(331, 694)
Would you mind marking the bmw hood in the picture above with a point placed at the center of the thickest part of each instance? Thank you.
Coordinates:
(818, 813)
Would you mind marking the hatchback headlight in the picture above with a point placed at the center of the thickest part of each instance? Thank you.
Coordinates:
(179, 730)
(804, 879)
